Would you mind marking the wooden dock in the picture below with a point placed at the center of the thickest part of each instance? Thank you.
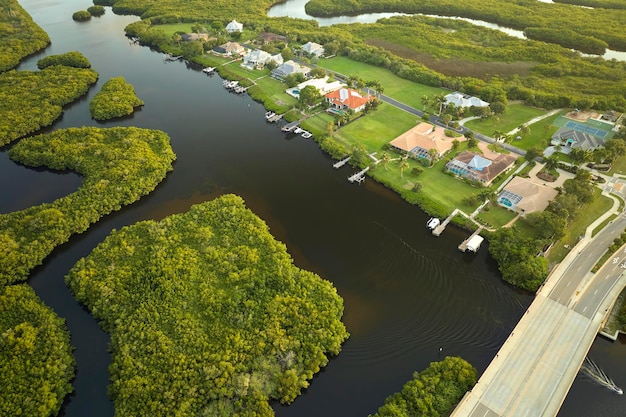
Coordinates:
(359, 176)
(439, 229)
(341, 163)
(463, 245)
(275, 118)
(289, 126)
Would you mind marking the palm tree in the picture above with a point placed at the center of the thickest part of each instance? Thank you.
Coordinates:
(404, 164)
(552, 162)
(438, 101)
(425, 102)
(523, 129)
(385, 158)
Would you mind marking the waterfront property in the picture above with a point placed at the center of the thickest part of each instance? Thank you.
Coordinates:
(424, 141)
(259, 58)
(480, 168)
(347, 98)
(321, 84)
(288, 68)
(230, 49)
(524, 196)
(269, 37)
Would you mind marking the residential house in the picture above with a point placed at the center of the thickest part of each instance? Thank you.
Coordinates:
(268, 37)
(234, 26)
(190, 37)
(523, 196)
(419, 140)
(259, 58)
(576, 139)
(230, 48)
(347, 98)
(478, 168)
(314, 49)
(288, 68)
(464, 100)
(321, 84)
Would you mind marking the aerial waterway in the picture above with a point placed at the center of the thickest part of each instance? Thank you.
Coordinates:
(406, 293)
(295, 9)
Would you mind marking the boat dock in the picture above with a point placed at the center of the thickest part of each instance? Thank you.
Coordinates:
(341, 163)
(359, 176)
(169, 57)
(439, 229)
(473, 242)
(289, 126)
(208, 70)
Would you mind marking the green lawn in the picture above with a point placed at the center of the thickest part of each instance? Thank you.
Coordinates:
(514, 115)
(377, 128)
(497, 216)
(588, 215)
(405, 91)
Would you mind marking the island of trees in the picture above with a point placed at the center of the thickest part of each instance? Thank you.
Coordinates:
(119, 165)
(433, 392)
(207, 314)
(116, 99)
(21, 36)
(36, 362)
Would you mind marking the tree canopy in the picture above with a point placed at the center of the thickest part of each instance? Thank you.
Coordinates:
(30, 100)
(36, 362)
(207, 313)
(116, 99)
(433, 392)
(21, 36)
(119, 165)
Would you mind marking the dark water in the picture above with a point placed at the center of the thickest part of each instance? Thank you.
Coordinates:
(406, 293)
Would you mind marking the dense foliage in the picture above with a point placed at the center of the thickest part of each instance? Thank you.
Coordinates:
(30, 100)
(433, 392)
(207, 313)
(602, 24)
(69, 59)
(119, 164)
(20, 35)
(116, 99)
(96, 10)
(36, 363)
(81, 16)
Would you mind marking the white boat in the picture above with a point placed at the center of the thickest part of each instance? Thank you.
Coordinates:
(208, 70)
(306, 134)
(298, 130)
(433, 223)
(269, 114)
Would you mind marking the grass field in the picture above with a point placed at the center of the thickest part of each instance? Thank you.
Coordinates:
(497, 216)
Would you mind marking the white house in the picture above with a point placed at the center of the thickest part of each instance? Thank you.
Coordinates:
(259, 58)
(313, 48)
(234, 26)
(464, 100)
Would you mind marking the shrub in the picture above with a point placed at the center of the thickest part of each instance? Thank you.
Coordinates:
(81, 16)
(96, 10)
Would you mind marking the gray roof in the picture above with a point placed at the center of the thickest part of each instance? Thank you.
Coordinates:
(578, 139)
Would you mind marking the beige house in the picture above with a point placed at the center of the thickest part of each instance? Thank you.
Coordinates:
(523, 196)
(419, 140)
(230, 48)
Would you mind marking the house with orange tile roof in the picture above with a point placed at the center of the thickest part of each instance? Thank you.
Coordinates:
(419, 140)
(347, 98)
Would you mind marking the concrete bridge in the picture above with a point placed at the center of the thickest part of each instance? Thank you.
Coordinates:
(535, 368)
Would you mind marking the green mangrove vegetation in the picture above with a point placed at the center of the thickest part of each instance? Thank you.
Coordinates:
(434, 392)
(30, 100)
(601, 24)
(81, 16)
(72, 59)
(20, 35)
(116, 99)
(36, 362)
(119, 165)
(208, 316)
